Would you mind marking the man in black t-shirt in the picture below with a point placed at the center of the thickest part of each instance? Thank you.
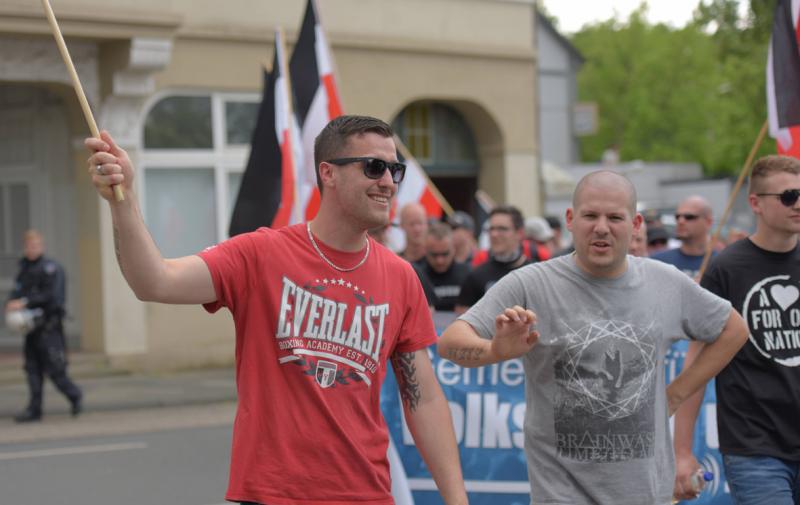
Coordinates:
(440, 268)
(506, 233)
(758, 393)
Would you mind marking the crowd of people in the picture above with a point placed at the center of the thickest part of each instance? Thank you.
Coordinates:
(320, 308)
(455, 273)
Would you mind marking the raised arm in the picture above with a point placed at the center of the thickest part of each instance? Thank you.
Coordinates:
(513, 337)
(711, 359)
(428, 416)
(150, 276)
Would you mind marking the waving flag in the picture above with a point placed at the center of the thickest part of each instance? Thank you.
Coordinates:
(316, 98)
(267, 192)
(783, 78)
(415, 188)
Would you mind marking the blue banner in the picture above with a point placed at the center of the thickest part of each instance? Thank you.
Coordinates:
(488, 409)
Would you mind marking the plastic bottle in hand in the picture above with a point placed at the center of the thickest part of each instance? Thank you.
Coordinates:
(699, 479)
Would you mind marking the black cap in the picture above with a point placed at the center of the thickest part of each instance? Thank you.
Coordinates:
(657, 233)
(460, 219)
(554, 222)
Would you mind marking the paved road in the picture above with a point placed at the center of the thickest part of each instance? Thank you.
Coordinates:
(176, 456)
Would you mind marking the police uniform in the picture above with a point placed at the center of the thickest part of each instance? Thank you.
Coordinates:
(41, 285)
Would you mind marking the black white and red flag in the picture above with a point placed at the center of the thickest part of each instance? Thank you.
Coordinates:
(268, 190)
(783, 78)
(316, 99)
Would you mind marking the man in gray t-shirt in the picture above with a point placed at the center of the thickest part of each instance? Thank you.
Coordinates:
(596, 426)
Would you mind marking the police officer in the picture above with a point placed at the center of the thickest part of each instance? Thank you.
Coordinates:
(40, 289)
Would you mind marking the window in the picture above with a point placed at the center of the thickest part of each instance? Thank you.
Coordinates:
(195, 151)
(179, 122)
(440, 139)
(180, 210)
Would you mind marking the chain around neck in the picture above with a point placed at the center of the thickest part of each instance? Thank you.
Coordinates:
(325, 258)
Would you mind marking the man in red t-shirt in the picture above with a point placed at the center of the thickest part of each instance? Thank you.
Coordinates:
(319, 309)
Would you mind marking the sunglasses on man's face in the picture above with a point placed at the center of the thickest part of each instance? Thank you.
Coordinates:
(788, 197)
(434, 255)
(686, 216)
(375, 167)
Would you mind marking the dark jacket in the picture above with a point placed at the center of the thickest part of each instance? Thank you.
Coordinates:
(42, 283)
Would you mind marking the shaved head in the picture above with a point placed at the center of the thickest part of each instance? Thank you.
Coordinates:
(605, 180)
(411, 211)
(698, 203)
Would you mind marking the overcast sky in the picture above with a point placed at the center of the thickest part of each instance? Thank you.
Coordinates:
(573, 14)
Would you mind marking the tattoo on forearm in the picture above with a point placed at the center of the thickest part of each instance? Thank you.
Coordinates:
(407, 383)
(465, 354)
(116, 248)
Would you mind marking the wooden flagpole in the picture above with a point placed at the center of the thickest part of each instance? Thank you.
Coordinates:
(744, 173)
(76, 82)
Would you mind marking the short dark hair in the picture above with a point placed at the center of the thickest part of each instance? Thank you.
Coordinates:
(768, 165)
(516, 216)
(332, 140)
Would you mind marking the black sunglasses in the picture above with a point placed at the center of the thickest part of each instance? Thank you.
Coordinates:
(375, 167)
(788, 197)
(439, 254)
(688, 217)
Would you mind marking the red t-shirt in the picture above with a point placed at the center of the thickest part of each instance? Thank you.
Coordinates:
(311, 350)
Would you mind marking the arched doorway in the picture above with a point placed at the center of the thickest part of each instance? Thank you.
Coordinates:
(443, 143)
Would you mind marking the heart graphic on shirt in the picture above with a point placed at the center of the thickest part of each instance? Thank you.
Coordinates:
(784, 296)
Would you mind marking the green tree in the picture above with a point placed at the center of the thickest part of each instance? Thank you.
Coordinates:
(741, 43)
(689, 94)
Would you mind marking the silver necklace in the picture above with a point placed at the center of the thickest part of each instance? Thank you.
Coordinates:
(329, 262)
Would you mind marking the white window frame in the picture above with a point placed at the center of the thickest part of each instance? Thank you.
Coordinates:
(222, 158)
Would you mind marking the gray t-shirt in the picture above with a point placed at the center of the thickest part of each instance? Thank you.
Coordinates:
(596, 424)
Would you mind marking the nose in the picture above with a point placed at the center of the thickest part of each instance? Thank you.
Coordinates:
(601, 226)
(386, 179)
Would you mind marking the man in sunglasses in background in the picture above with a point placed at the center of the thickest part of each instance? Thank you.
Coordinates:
(693, 225)
(319, 309)
(758, 393)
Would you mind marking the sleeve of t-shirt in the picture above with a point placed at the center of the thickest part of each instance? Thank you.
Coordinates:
(230, 264)
(704, 313)
(505, 293)
(417, 331)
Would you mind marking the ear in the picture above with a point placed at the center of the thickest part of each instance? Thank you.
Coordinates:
(569, 217)
(637, 221)
(755, 203)
(327, 174)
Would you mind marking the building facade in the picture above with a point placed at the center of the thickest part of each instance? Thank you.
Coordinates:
(178, 83)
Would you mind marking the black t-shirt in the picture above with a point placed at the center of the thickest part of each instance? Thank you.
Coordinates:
(479, 280)
(446, 285)
(427, 285)
(758, 393)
